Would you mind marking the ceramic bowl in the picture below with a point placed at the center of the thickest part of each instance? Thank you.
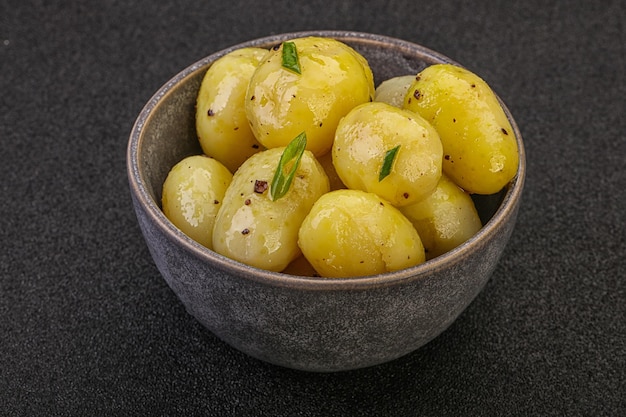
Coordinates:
(307, 323)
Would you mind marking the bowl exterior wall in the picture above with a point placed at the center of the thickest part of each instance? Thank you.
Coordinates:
(323, 330)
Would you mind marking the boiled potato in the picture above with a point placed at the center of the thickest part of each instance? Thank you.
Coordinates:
(281, 103)
(351, 233)
(364, 137)
(193, 192)
(252, 228)
(221, 122)
(393, 90)
(444, 219)
(480, 151)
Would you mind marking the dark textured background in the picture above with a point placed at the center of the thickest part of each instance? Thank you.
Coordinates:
(87, 325)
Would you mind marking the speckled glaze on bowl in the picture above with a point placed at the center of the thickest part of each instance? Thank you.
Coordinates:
(307, 323)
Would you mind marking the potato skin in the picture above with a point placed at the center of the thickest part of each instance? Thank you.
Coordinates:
(253, 229)
(444, 219)
(193, 192)
(480, 151)
(221, 123)
(393, 90)
(351, 233)
(281, 104)
(363, 138)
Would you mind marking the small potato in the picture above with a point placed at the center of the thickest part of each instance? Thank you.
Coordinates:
(281, 104)
(221, 122)
(362, 141)
(393, 90)
(192, 195)
(257, 231)
(351, 233)
(480, 151)
(444, 219)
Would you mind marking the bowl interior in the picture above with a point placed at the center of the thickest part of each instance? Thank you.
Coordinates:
(164, 133)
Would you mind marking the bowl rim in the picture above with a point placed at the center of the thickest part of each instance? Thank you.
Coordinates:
(138, 187)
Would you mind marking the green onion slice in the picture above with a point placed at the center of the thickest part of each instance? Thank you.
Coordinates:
(290, 57)
(287, 166)
(390, 156)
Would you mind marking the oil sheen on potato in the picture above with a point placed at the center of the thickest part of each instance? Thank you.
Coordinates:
(480, 150)
(280, 103)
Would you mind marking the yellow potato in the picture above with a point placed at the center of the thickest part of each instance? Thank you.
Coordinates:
(480, 151)
(351, 233)
(257, 231)
(393, 90)
(363, 139)
(193, 192)
(221, 122)
(281, 104)
(444, 219)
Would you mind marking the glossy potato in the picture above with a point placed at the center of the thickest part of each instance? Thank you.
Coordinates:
(351, 233)
(193, 192)
(362, 140)
(281, 104)
(480, 151)
(393, 90)
(221, 122)
(444, 219)
(257, 231)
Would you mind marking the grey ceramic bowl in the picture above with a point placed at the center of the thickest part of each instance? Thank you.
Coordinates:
(307, 323)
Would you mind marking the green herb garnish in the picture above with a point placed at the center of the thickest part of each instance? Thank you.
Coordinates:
(390, 156)
(290, 57)
(287, 166)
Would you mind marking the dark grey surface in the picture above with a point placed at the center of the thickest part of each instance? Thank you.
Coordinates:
(89, 327)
